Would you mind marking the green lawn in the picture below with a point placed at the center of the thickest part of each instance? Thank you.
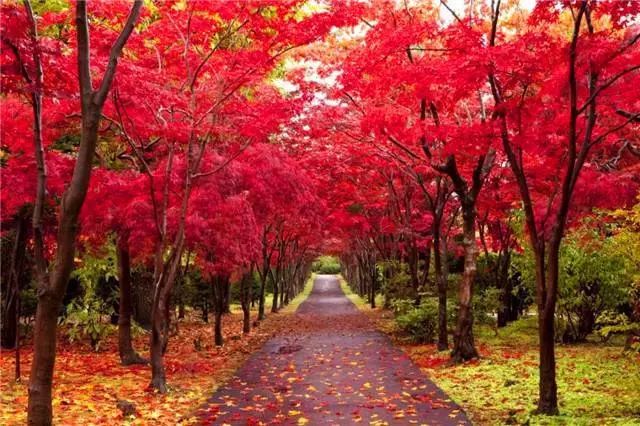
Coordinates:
(357, 300)
(597, 383)
(308, 286)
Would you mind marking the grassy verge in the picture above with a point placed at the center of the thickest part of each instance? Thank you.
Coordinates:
(293, 305)
(360, 302)
(597, 383)
(355, 299)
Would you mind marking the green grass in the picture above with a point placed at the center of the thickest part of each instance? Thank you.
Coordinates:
(360, 302)
(597, 383)
(308, 286)
(355, 299)
(268, 300)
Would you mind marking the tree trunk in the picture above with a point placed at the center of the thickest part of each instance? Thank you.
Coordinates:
(547, 285)
(40, 412)
(463, 344)
(548, 402)
(505, 285)
(17, 372)
(440, 265)
(219, 290)
(412, 260)
(263, 285)
(10, 314)
(218, 328)
(205, 313)
(374, 281)
(160, 319)
(275, 279)
(245, 300)
(427, 265)
(128, 355)
(9, 322)
(51, 291)
(226, 299)
(158, 374)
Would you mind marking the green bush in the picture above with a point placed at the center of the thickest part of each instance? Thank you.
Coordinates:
(326, 265)
(486, 305)
(87, 315)
(86, 322)
(395, 282)
(421, 322)
(594, 278)
(611, 323)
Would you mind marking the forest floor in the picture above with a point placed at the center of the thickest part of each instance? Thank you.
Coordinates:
(88, 384)
(333, 368)
(597, 383)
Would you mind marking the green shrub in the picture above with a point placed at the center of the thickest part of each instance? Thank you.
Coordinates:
(87, 315)
(326, 265)
(395, 282)
(594, 278)
(485, 307)
(86, 322)
(420, 323)
(611, 323)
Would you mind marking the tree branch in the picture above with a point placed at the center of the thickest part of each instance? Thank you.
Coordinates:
(116, 49)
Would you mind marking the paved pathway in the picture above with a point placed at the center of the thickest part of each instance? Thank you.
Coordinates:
(332, 369)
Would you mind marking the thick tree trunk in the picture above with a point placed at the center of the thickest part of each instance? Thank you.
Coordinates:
(547, 294)
(158, 374)
(548, 402)
(226, 299)
(219, 341)
(160, 318)
(463, 344)
(159, 332)
(128, 355)
(52, 290)
(50, 293)
(43, 360)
